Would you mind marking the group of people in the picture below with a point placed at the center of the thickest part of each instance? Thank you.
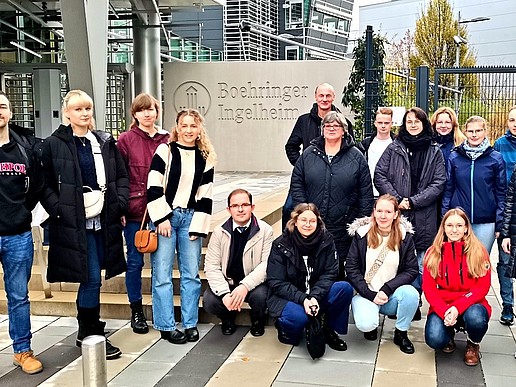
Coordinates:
(96, 191)
(440, 204)
(369, 225)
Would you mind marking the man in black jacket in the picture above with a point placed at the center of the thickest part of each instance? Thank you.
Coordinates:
(20, 186)
(308, 127)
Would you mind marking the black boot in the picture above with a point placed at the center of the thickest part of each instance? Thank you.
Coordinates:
(86, 318)
(257, 324)
(138, 320)
(90, 324)
(333, 340)
(401, 339)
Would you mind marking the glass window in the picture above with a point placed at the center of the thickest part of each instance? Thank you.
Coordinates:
(294, 14)
(292, 53)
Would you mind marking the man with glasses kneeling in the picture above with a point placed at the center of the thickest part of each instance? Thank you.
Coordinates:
(236, 264)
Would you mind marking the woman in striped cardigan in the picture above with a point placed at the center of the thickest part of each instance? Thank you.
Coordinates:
(181, 213)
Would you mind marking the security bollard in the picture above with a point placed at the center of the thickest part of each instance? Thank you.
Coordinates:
(94, 368)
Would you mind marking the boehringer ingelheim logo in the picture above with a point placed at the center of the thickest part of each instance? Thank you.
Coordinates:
(192, 95)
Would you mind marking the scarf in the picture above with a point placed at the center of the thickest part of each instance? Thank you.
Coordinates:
(417, 147)
(474, 152)
(309, 245)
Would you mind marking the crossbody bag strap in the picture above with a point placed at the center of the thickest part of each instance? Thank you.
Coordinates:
(378, 262)
(98, 161)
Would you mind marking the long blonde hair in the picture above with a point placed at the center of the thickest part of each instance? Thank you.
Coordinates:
(203, 141)
(83, 99)
(476, 254)
(373, 236)
(458, 136)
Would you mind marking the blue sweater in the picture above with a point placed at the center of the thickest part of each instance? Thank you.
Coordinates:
(478, 186)
(506, 145)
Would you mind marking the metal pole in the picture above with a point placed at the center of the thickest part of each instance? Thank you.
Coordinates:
(422, 94)
(368, 108)
(457, 65)
(94, 367)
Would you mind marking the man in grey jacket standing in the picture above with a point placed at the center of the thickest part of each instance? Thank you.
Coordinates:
(236, 264)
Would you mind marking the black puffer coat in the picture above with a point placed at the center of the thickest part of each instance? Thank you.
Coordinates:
(392, 175)
(509, 222)
(342, 189)
(286, 273)
(67, 256)
(356, 262)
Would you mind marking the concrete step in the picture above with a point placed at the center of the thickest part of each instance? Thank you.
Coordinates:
(114, 302)
(115, 306)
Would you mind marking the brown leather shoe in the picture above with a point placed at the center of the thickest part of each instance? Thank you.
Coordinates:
(28, 362)
(472, 354)
(450, 347)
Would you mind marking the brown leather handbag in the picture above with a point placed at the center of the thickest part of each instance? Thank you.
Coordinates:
(146, 241)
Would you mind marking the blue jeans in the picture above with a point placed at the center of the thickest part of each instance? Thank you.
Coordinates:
(293, 318)
(402, 303)
(474, 320)
(504, 270)
(88, 295)
(16, 255)
(288, 207)
(418, 282)
(133, 276)
(485, 232)
(189, 256)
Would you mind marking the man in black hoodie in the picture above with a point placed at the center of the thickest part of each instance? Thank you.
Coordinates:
(308, 127)
(20, 186)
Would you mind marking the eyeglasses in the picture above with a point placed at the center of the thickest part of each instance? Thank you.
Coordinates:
(474, 131)
(243, 206)
(311, 222)
(334, 126)
(457, 226)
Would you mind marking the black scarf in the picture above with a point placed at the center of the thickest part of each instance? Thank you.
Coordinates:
(417, 147)
(307, 246)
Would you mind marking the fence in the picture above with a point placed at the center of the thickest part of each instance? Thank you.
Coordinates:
(485, 91)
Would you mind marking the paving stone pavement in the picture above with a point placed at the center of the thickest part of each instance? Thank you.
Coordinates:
(243, 360)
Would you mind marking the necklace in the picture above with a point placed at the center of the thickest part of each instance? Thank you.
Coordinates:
(82, 140)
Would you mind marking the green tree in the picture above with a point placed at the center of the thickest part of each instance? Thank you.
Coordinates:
(435, 45)
(353, 93)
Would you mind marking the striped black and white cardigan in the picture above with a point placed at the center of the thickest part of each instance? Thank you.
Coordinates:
(159, 203)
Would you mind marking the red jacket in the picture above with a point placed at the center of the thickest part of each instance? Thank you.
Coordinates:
(137, 149)
(454, 286)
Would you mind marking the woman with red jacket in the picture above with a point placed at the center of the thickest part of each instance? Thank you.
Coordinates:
(456, 280)
(137, 146)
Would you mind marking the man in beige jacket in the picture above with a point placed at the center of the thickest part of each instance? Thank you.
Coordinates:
(236, 264)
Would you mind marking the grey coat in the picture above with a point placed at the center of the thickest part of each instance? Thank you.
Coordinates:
(392, 175)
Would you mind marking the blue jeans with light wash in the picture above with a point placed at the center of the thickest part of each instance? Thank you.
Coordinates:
(88, 295)
(133, 275)
(16, 255)
(485, 232)
(293, 318)
(189, 256)
(504, 270)
(474, 320)
(402, 303)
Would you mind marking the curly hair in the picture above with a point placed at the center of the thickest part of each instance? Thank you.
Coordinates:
(203, 141)
(77, 98)
(476, 254)
(458, 136)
